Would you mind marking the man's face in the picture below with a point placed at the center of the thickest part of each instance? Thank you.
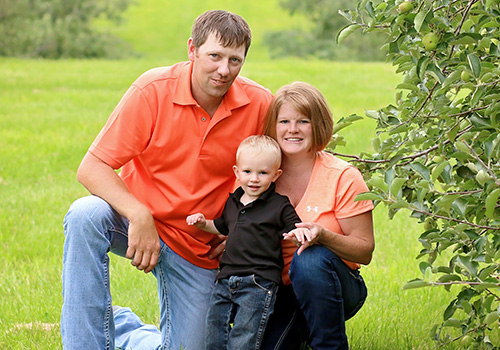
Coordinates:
(214, 69)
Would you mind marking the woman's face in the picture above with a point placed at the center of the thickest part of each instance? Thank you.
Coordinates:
(293, 131)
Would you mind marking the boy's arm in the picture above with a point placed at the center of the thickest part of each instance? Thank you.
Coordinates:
(198, 220)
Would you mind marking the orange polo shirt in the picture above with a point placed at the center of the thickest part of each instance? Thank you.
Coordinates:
(174, 158)
(329, 196)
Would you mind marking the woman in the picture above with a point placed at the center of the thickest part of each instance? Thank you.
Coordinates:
(324, 271)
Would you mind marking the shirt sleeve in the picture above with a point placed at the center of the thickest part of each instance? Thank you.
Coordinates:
(220, 222)
(289, 217)
(350, 184)
(127, 132)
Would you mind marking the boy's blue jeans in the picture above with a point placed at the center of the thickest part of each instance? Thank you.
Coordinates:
(246, 302)
(326, 293)
(92, 229)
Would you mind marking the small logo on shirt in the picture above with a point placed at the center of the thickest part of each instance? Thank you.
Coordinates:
(311, 208)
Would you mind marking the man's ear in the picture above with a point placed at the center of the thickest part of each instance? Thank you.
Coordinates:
(191, 49)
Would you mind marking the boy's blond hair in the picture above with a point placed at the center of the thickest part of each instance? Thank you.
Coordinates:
(260, 144)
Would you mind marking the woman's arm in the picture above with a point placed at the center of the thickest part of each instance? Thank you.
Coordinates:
(356, 244)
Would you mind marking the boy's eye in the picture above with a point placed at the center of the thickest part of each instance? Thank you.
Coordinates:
(246, 171)
(263, 172)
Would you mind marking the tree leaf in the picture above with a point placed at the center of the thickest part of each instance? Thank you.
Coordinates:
(421, 169)
(474, 64)
(368, 196)
(491, 317)
(419, 20)
(491, 202)
(416, 284)
(346, 31)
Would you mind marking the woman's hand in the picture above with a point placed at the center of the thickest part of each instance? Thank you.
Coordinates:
(305, 235)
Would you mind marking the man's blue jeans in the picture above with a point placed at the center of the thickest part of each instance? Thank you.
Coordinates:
(326, 293)
(92, 229)
(246, 302)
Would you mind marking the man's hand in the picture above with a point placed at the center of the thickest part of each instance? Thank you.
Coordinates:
(143, 242)
(218, 246)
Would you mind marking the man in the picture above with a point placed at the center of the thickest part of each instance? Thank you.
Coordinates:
(174, 136)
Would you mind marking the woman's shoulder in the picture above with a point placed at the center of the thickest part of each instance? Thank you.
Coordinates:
(329, 161)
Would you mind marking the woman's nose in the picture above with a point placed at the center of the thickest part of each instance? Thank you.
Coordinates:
(292, 127)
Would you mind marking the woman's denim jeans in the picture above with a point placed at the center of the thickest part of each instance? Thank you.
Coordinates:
(246, 302)
(327, 294)
(92, 229)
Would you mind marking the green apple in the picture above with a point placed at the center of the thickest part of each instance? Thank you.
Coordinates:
(465, 76)
(405, 7)
(430, 41)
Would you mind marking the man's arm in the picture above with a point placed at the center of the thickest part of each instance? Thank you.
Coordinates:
(143, 241)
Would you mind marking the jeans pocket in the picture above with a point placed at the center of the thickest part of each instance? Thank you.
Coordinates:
(265, 285)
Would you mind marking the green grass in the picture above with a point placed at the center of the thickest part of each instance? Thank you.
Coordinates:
(50, 111)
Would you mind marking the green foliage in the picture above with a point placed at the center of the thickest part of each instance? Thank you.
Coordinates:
(320, 40)
(59, 28)
(437, 150)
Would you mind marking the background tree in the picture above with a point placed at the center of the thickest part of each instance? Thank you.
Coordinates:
(318, 39)
(59, 28)
(437, 150)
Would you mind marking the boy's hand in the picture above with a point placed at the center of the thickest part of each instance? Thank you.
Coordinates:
(198, 220)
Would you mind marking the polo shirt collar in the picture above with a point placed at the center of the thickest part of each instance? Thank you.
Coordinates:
(264, 196)
(235, 97)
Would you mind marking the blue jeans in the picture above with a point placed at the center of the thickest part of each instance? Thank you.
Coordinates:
(246, 302)
(92, 229)
(327, 293)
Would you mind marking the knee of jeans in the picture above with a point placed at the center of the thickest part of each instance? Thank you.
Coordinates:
(310, 265)
(85, 211)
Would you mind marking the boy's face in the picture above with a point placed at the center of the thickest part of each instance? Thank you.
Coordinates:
(256, 172)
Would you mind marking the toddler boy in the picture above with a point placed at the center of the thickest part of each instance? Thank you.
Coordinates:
(254, 219)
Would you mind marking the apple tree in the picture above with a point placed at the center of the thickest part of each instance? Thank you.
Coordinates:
(437, 150)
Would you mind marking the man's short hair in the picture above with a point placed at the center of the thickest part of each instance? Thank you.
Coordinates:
(230, 29)
(258, 145)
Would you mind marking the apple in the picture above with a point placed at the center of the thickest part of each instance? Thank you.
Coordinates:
(405, 7)
(430, 41)
(465, 76)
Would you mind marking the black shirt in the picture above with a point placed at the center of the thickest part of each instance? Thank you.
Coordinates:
(254, 234)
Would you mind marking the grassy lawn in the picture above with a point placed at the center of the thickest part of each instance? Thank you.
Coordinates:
(50, 111)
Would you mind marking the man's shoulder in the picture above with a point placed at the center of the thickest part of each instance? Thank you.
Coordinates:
(251, 86)
(160, 74)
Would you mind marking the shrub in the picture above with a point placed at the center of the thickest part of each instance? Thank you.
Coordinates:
(59, 28)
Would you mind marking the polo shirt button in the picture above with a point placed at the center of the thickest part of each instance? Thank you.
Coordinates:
(243, 211)
(203, 119)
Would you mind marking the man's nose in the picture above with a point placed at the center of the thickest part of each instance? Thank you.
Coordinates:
(223, 68)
